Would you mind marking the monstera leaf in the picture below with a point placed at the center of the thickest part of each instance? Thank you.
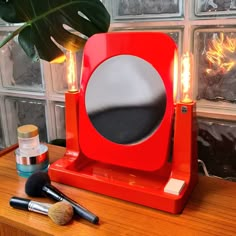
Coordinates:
(49, 21)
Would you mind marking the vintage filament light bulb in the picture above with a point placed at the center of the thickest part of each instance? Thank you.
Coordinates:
(186, 93)
(71, 67)
(175, 77)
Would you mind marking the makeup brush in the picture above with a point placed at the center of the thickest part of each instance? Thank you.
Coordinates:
(39, 184)
(60, 213)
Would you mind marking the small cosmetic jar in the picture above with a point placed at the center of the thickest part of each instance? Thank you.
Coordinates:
(27, 165)
(28, 139)
(31, 156)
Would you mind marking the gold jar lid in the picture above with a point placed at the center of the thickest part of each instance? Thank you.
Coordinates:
(27, 131)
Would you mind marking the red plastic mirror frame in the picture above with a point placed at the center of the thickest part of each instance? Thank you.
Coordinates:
(158, 49)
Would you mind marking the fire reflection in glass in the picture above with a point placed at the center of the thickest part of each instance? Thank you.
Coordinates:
(215, 54)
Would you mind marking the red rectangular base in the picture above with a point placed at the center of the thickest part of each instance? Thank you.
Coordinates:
(141, 187)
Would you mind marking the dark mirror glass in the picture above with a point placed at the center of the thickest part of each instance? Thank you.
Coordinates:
(125, 99)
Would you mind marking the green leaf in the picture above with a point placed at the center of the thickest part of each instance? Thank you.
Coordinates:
(45, 21)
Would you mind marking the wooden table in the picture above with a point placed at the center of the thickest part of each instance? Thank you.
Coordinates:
(211, 210)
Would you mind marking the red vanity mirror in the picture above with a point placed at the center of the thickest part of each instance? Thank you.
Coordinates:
(119, 126)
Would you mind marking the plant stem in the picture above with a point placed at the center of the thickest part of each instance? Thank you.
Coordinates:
(13, 34)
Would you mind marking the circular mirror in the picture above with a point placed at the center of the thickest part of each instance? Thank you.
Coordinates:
(125, 99)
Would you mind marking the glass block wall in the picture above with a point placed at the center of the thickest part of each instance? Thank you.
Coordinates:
(30, 93)
(34, 92)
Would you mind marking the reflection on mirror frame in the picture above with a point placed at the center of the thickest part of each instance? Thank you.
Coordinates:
(125, 99)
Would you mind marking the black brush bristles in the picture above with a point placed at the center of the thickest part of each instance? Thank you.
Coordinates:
(35, 183)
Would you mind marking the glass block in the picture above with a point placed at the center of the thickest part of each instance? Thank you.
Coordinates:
(59, 109)
(2, 143)
(212, 8)
(216, 146)
(144, 9)
(59, 80)
(59, 83)
(22, 111)
(17, 70)
(215, 55)
(175, 34)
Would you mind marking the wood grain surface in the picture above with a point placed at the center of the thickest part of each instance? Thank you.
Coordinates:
(211, 210)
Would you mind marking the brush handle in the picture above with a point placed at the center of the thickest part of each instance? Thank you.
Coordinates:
(52, 192)
(19, 203)
(28, 205)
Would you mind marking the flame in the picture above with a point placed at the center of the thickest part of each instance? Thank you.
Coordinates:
(221, 54)
(71, 72)
(186, 78)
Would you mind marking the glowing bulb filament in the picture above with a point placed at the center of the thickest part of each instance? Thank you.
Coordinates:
(186, 80)
(72, 72)
(175, 76)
